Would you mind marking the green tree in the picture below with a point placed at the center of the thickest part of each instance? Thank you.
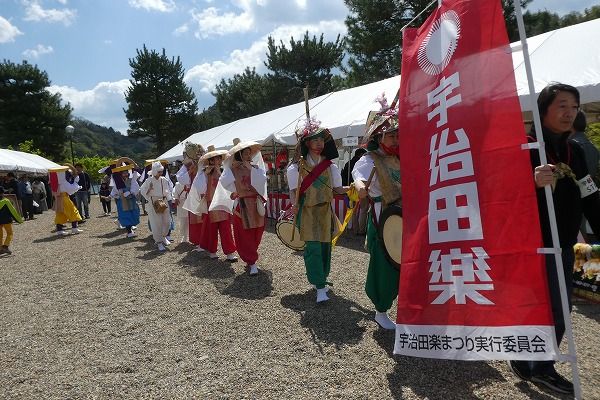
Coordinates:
(541, 22)
(307, 62)
(545, 21)
(209, 118)
(243, 95)
(93, 164)
(29, 112)
(160, 105)
(374, 39)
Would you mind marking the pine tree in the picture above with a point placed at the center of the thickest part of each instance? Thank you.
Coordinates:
(160, 105)
(374, 39)
(243, 95)
(307, 62)
(29, 112)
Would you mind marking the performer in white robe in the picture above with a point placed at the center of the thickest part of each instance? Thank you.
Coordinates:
(179, 195)
(157, 189)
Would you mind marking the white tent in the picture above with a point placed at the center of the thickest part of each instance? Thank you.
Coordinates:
(567, 55)
(18, 161)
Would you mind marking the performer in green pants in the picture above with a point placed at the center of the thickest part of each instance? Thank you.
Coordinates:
(383, 188)
(312, 179)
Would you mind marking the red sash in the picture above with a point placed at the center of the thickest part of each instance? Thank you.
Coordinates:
(313, 175)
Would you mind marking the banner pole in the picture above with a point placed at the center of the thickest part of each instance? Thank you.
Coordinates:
(550, 203)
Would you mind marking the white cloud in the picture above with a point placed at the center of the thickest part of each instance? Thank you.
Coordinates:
(8, 32)
(39, 50)
(209, 22)
(260, 14)
(181, 30)
(102, 105)
(206, 76)
(153, 5)
(35, 12)
(63, 2)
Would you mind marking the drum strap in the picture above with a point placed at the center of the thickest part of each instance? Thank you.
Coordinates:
(372, 201)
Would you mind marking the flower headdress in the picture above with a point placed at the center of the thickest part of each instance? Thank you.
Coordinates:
(383, 121)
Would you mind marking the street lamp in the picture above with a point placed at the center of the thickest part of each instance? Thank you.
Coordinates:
(70, 129)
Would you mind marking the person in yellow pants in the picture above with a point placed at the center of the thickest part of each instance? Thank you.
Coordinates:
(7, 215)
(64, 182)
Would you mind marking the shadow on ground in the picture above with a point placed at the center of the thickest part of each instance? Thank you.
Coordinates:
(589, 310)
(223, 276)
(54, 237)
(437, 379)
(334, 322)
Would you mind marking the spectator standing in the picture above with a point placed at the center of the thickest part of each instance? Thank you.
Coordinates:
(105, 198)
(82, 197)
(39, 195)
(574, 195)
(26, 195)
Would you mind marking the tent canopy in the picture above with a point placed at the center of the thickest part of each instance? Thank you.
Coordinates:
(345, 112)
(18, 161)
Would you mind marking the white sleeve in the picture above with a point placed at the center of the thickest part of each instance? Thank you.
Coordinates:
(336, 176)
(114, 192)
(135, 184)
(177, 190)
(228, 180)
(292, 176)
(362, 169)
(144, 188)
(258, 179)
(200, 182)
(183, 176)
(168, 191)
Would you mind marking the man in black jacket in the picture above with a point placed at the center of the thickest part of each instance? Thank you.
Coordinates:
(574, 195)
(82, 197)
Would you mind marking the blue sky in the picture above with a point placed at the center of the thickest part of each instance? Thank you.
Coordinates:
(85, 45)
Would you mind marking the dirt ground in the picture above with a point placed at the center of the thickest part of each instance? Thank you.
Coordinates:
(101, 316)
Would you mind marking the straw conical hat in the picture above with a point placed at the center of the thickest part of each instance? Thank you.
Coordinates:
(211, 152)
(239, 146)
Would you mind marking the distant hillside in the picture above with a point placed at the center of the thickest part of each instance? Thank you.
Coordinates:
(91, 140)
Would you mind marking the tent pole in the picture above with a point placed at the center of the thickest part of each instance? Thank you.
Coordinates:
(572, 355)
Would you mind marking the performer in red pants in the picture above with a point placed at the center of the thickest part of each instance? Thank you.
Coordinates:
(243, 189)
(217, 222)
(185, 176)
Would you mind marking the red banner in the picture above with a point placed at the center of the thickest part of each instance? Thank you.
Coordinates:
(472, 285)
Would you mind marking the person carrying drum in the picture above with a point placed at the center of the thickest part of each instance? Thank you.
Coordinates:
(313, 178)
(214, 223)
(377, 175)
(242, 190)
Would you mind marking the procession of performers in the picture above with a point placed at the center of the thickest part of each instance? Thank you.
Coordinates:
(222, 194)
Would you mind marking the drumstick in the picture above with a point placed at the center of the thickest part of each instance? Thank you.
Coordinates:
(297, 199)
(369, 180)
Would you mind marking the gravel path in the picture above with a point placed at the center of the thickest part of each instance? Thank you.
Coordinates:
(101, 316)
